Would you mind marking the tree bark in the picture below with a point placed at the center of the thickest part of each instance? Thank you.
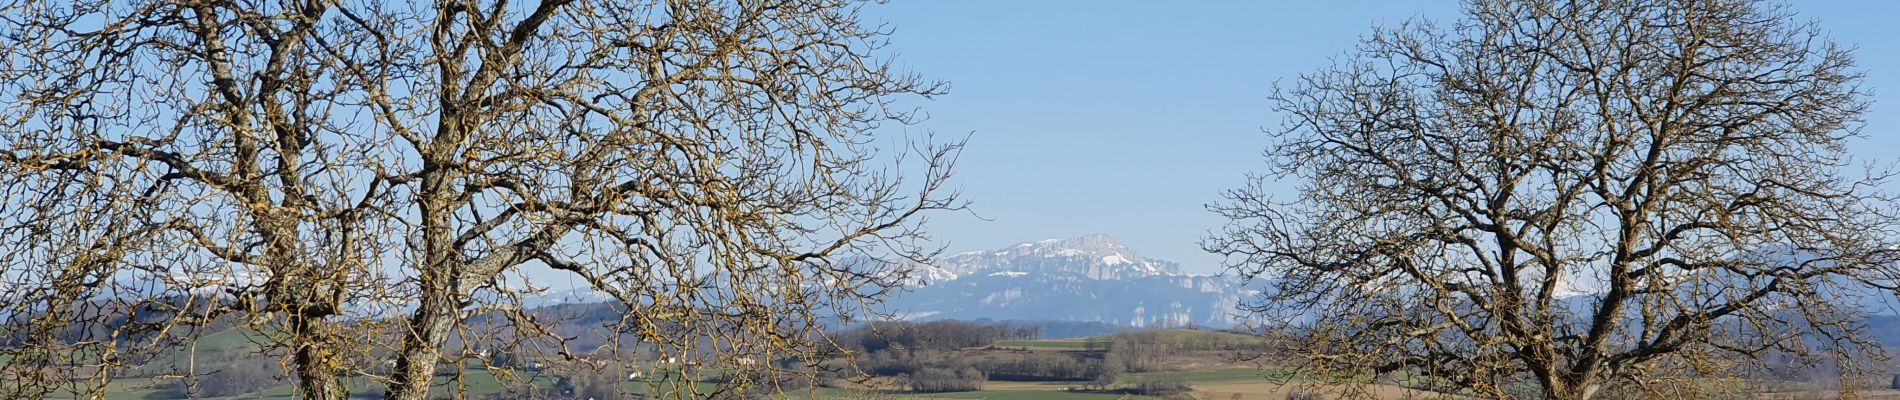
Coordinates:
(313, 348)
(317, 375)
(1585, 389)
(415, 366)
(436, 311)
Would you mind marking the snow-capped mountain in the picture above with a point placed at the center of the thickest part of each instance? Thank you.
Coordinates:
(582, 295)
(1088, 278)
(1092, 256)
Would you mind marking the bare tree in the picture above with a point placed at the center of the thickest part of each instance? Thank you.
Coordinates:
(319, 165)
(701, 161)
(166, 163)
(1563, 196)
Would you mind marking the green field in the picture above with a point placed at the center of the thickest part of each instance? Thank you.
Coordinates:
(1227, 375)
(475, 382)
(1083, 343)
(479, 381)
(1049, 344)
(1017, 395)
(998, 394)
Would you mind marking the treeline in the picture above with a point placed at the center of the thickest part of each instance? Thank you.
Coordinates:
(1050, 329)
(954, 334)
(934, 335)
(936, 380)
(132, 321)
(941, 356)
(1002, 366)
(927, 356)
(1147, 351)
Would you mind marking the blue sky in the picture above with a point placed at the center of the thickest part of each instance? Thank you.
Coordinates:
(1126, 117)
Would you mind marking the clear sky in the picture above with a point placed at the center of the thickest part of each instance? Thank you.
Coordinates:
(1126, 117)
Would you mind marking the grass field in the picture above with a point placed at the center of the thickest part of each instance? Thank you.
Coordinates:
(1083, 343)
(1050, 344)
(1018, 395)
(1225, 375)
(992, 390)
(477, 381)
(1210, 378)
(474, 381)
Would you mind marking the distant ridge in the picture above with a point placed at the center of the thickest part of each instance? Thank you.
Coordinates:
(1086, 278)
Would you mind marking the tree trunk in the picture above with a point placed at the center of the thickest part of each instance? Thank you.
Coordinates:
(437, 310)
(313, 347)
(415, 365)
(1580, 391)
(317, 373)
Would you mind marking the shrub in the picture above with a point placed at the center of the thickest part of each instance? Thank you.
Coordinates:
(1039, 367)
(1103, 380)
(586, 383)
(229, 378)
(935, 380)
(1161, 387)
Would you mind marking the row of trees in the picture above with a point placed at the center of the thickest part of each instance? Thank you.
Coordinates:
(1161, 387)
(930, 356)
(935, 380)
(1145, 351)
(307, 163)
(1011, 366)
(920, 353)
(933, 335)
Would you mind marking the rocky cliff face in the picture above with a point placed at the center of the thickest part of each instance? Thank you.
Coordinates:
(1088, 278)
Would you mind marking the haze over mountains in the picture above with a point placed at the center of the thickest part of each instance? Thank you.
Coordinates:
(1088, 278)
(1091, 278)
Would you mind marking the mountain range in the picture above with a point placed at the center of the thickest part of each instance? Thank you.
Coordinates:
(1091, 278)
(1094, 278)
(1088, 278)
